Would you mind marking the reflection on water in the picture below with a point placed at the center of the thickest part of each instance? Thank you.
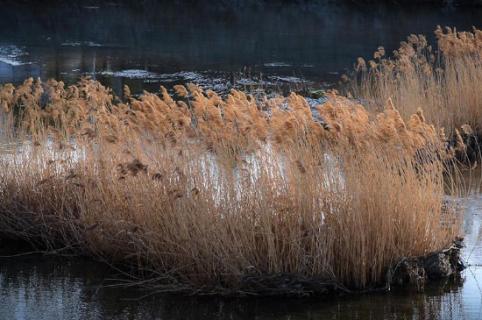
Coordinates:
(167, 42)
(51, 288)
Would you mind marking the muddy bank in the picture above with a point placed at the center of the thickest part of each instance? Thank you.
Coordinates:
(410, 271)
(435, 266)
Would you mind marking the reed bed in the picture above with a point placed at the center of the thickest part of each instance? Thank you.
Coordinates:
(201, 192)
(445, 80)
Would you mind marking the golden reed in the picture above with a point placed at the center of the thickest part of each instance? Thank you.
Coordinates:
(200, 191)
(445, 81)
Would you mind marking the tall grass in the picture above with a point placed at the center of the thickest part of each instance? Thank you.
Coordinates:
(444, 81)
(204, 191)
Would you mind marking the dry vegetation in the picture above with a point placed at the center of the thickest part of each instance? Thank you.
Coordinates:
(204, 192)
(445, 81)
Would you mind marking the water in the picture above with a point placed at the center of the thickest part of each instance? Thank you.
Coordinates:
(166, 43)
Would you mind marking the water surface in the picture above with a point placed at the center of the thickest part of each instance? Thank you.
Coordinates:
(157, 42)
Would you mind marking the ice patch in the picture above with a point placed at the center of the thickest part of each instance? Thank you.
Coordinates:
(220, 87)
(78, 44)
(71, 44)
(276, 64)
(200, 79)
(182, 75)
(187, 76)
(11, 55)
(287, 79)
(218, 81)
(131, 74)
(247, 82)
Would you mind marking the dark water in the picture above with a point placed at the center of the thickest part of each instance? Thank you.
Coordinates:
(152, 42)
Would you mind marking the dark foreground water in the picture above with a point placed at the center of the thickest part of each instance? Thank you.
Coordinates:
(56, 288)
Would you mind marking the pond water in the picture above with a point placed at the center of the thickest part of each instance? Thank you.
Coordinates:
(152, 42)
(164, 43)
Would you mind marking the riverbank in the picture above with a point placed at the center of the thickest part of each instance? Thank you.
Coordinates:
(411, 272)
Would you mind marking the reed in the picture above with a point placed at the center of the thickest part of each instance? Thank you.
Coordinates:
(202, 192)
(444, 81)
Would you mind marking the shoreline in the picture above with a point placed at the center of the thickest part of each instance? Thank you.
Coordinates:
(408, 272)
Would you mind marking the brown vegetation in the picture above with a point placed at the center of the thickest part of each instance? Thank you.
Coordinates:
(204, 192)
(444, 81)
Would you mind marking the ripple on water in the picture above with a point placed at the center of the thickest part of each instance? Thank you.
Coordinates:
(472, 254)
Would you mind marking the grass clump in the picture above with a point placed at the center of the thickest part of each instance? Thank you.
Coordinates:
(202, 192)
(444, 81)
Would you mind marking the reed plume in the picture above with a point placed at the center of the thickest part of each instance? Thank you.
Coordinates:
(443, 81)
